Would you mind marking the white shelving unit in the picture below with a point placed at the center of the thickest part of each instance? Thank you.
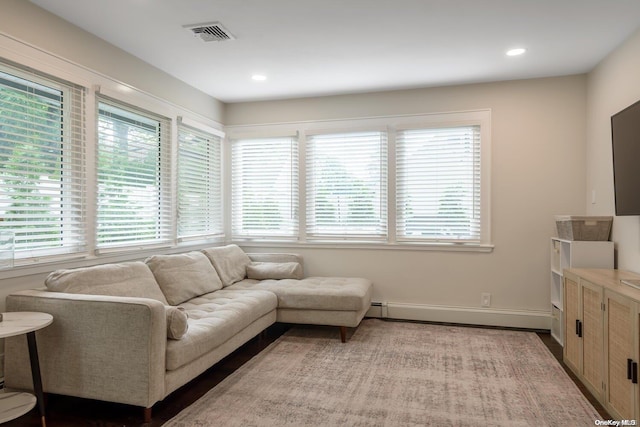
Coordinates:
(572, 254)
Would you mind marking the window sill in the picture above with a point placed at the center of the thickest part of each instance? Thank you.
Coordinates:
(30, 269)
(437, 247)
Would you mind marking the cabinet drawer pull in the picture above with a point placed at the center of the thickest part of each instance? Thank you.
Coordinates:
(629, 368)
(577, 327)
(634, 373)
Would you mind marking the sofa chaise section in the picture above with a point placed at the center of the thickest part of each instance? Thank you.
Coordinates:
(331, 301)
(334, 301)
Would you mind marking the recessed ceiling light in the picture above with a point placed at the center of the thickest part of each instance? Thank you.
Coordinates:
(516, 52)
(259, 77)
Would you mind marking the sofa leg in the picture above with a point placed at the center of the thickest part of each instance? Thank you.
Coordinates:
(343, 334)
(147, 415)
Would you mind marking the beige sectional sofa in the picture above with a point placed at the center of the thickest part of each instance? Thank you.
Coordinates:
(135, 332)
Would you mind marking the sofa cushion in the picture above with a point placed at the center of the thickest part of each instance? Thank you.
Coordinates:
(128, 279)
(316, 293)
(214, 318)
(184, 276)
(274, 270)
(230, 262)
(177, 322)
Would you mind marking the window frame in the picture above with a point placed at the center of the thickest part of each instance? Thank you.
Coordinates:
(72, 182)
(215, 138)
(319, 233)
(292, 225)
(471, 157)
(165, 214)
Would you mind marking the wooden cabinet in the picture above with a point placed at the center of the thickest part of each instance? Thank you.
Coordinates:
(592, 330)
(602, 330)
(584, 332)
(621, 356)
(572, 254)
(572, 315)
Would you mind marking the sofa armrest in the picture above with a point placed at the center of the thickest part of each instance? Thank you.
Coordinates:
(277, 257)
(98, 347)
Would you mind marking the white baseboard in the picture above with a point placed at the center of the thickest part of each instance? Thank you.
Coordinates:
(529, 319)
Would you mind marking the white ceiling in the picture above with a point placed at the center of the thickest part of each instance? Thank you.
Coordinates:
(326, 47)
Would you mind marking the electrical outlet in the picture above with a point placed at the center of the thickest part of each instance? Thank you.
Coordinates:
(486, 300)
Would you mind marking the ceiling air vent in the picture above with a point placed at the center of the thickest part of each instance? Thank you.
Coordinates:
(211, 32)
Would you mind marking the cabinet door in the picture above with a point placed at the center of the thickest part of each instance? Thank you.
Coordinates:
(592, 337)
(571, 315)
(621, 316)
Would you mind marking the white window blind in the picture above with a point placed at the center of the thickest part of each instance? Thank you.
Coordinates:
(134, 175)
(264, 188)
(199, 184)
(42, 179)
(347, 185)
(438, 184)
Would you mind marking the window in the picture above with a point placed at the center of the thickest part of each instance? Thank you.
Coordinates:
(412, 181)
(264, 188)
(438, 184)
(134, 176)
(347, 185)
(199, 184)
(42, 181)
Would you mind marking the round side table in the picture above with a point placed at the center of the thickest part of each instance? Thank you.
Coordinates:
(13, 405)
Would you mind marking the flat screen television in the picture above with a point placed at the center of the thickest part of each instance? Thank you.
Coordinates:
(625, 136)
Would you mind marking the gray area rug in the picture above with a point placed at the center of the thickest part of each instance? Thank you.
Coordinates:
(396, 374)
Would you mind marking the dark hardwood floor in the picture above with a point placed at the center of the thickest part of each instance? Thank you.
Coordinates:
(63, 411)
(556, 350)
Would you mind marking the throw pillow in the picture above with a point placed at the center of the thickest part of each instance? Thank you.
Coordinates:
(274, 270)
(129, 279)
(177, 324)
(230, 262)
(184, 276)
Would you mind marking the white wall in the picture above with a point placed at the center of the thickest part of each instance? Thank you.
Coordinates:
(26, 22)
(538, 169)
(613, 85)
